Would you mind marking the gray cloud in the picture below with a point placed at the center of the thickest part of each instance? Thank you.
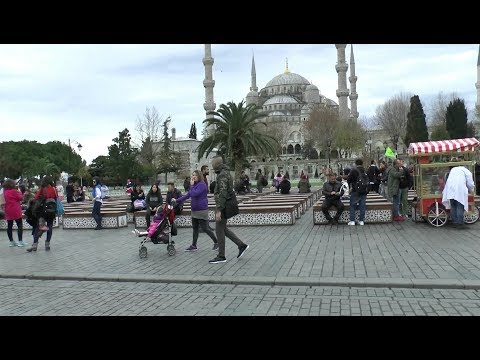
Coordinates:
(91, 92)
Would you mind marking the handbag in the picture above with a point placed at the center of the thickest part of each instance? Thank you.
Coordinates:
(139, 204)
(231, 206)
(60, 209)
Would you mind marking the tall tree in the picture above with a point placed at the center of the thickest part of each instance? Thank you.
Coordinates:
(122, 156)
(416, 123)
(236, 136)
(392, 116)
(456, 119)
(167, 160)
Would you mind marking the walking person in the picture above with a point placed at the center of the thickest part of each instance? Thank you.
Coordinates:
(47, 191)
(199, 209)
(97, 202)
(13, 211)
(223, 188)
(455, 194)
(154, 199)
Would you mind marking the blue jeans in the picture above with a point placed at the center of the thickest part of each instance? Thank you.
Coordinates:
(96, 213)
(361, 200)
(36, 231)
(456, 212)
(396, 203)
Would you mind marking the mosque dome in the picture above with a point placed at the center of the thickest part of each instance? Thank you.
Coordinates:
(288, 78)
(280, 99)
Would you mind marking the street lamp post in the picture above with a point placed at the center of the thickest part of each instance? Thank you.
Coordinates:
(369, 144)
(79, 146)
(329, 145)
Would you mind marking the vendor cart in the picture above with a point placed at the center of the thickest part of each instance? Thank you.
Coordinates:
(433, 160)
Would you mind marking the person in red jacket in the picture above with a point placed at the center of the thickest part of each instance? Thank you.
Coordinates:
(13, 211)
(48, 192)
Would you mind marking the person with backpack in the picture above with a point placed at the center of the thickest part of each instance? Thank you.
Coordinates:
(97, 202)
(45, 209)
(359, 183)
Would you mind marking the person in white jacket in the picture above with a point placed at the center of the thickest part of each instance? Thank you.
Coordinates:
(455, 194)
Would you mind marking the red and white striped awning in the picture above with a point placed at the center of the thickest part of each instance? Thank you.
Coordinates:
(432, 147)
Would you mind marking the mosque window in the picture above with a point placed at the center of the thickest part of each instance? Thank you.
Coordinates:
(290, 149)
(298, 149)
(284, 89)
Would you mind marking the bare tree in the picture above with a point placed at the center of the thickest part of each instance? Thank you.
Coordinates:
(437, 118)
(350, 137)
(321, 126)
(278, 130)
(438, 108)
(149, 126)
(392, 116)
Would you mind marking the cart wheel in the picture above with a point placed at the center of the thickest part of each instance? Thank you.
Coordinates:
(473, 217)
(439, 220)
(171, 250)
(142, 252)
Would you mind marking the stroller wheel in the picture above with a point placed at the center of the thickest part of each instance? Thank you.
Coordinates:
(171, 250)
(142, 252)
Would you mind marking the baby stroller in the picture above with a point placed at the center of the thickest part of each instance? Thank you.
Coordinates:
(160, 231)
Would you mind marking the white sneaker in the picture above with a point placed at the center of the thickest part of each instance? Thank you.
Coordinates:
(361, 223)
(351, 223)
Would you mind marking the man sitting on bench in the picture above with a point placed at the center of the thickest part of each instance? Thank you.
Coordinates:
(333, 192)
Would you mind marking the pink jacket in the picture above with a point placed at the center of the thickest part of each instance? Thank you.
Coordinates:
(13, 208)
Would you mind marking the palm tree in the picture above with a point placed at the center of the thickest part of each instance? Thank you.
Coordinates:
(236, 135)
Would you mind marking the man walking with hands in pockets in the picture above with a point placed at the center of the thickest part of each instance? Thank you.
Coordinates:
(223, 187)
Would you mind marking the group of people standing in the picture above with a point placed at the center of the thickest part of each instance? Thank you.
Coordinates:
(35, 214)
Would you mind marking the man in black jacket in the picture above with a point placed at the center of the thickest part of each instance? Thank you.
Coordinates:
(358, 197)
(333, 193)
(174, 193)
(374, 176)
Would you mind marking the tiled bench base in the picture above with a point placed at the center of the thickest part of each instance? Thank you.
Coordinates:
(87, 222)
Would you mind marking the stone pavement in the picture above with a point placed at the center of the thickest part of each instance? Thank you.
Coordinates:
(23, 297)
(398, 255)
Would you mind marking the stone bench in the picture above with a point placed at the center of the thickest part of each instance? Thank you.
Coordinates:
(111, 219)
(299, 208)
(375, 212)
(305, 201)
(248, 216)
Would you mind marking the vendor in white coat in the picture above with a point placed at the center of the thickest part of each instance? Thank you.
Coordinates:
(455, 193)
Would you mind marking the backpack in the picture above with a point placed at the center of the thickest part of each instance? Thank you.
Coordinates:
(103, 191)
(362, 184)
(263, 180)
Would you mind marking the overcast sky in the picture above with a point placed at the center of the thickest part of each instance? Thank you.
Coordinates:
(89, 93)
